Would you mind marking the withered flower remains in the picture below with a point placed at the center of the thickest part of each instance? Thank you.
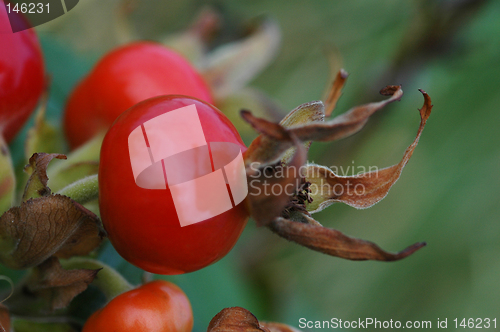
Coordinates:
(277, 157)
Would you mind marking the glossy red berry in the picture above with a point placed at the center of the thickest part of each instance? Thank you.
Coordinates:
(172, 185)
(22, 75)
(158, 306)
(121, 79)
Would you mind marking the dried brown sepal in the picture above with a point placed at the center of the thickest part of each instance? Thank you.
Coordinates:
(335, 91)
(265, 201)
(46, 226)
(266, 150)
(301, 115)
(57, 285)
(231, 66)
(363, 190)
(263, 149)
(334, 243)
(235, 319)
(345, 124)
(269, 129)
(37, 182)
(4, 319)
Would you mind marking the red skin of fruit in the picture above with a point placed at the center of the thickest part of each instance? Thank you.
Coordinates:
(123, 78)
(22, 76)
(158, 306)
(142, 224)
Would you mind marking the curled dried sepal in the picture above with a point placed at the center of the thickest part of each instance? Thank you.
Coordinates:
(334, 243)
(46, 226)
(57, 285)
(37, 182)
(269, 193)
(347, 123)
(335, 91)
(230, 67)
(265, 150)
(301, 115)
(363, 190)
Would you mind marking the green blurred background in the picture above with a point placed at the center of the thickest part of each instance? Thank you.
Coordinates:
(446, 196)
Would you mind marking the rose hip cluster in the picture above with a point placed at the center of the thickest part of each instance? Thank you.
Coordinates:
(171, 184)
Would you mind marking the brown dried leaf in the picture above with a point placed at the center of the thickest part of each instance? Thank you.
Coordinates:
(335, 92)
(334, 243)
(37, 183)
(46, 226)
(231, 66)
(266, 151)
(266, 202)
(363, 190)
(4, 319)
(235, 319)
(57, 285)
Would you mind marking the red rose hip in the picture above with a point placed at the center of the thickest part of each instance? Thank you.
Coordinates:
(172, 185)
(123, 78)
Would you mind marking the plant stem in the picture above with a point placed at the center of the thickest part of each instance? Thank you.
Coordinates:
(108, 280)
(87, 152)
(82, 191)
